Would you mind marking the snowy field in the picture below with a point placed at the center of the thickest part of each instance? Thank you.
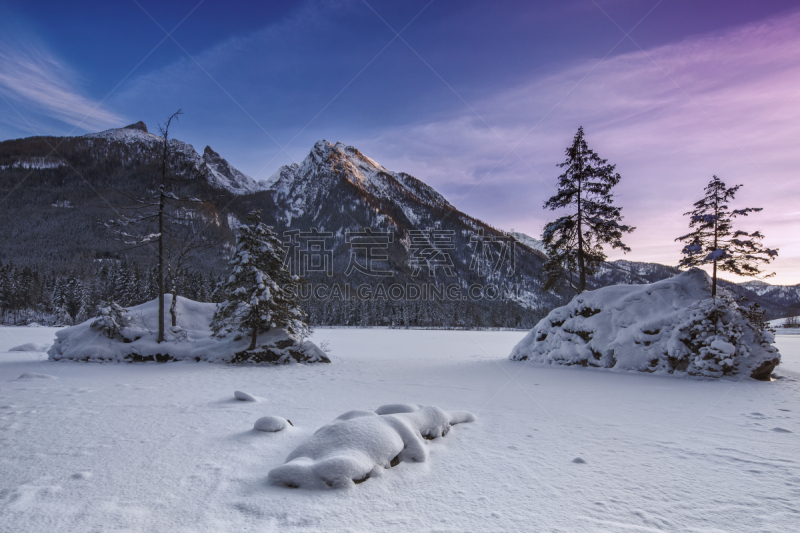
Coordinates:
(165, 447)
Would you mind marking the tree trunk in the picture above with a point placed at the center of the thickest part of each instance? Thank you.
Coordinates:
(173, 309)
(581, 261)
(161, 202)
(714, 277)
(161, 263)
(714, 282)
(253, 337)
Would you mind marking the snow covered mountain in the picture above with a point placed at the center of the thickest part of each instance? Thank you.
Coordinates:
(530, 242)
(337, 189)
(220, 173)
(303, 189)
(782, 295)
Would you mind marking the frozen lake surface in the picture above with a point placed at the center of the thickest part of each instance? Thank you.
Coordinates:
(165, 447)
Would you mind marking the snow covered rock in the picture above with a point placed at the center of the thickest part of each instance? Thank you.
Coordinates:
(271, 424)
(129, 335)
(670, 326)
(360, 444)
(243, 396)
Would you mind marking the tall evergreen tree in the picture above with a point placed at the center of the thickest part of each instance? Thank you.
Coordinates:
(575, 241)
(260, 293)
(714, 241)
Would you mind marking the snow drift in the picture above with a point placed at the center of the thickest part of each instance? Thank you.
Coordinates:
(670, 326)
(360, 444)
(30, 347)
(129, 335)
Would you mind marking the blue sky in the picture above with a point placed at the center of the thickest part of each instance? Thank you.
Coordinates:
(478, 99)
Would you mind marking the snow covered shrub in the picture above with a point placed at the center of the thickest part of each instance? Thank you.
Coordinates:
(110, 320)
(360, 444)
(673, 325)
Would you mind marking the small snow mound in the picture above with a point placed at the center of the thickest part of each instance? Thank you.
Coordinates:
(360, 444)
(34, 375)
(271, 424)
(579, 460)
(671, 326)
(461, 417)
(34, 325)
(243, 396)
(780, 430)
(30, 347)
(349, 415)
(394, 408)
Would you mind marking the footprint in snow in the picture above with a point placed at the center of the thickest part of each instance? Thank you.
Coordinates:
(780, 430)
(82, 475)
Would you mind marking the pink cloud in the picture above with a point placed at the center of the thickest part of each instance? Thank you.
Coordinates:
(670, 117)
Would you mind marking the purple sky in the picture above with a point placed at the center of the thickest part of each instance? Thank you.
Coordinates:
(479, 100)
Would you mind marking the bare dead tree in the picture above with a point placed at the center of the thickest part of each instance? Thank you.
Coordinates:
(166, 211)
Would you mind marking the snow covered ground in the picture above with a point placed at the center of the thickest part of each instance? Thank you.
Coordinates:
(166, 447)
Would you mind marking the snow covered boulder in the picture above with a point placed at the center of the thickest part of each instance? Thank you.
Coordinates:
(360, 444)
(129, 335)
(243, 396)
(670, 326)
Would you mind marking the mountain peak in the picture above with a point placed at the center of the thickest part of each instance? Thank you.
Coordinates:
(141, 126)
(223, 175)
(305, 188)
(322, 145)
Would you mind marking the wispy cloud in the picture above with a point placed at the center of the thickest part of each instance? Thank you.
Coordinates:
(671, 117)
(40, 84)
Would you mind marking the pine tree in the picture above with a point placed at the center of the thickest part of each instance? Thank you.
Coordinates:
(63, 318)
(260, 293)
(714, 240)
(575, 241)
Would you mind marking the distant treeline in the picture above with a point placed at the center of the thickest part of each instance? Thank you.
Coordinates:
(27, 296)
(421, 314)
